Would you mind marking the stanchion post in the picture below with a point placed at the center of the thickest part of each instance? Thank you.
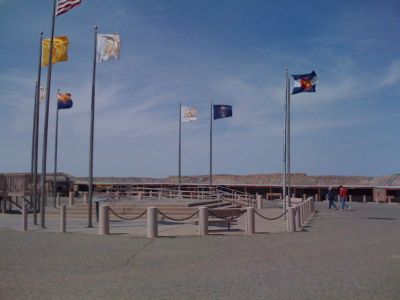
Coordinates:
(152, 230)
(364, 199)
(259, 202)
(104, 220)
(58, 199)
(298, 217)
(71, 199)
(307, 211)
(63, 218)
(24, 217)
(203, 220)
(97, 205)
(85, 195)
(291, 225)
(250, 224)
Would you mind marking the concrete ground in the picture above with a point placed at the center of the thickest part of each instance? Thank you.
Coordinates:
(339, 255)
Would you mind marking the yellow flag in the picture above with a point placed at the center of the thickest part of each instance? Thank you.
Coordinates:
(60, 50)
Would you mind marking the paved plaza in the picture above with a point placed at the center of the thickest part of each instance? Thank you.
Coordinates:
(339, 255)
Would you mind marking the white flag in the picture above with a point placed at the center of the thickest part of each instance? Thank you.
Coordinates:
(42, 94)
(108, 45)
(188, 113)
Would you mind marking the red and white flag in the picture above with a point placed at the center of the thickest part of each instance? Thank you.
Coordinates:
(65, 5)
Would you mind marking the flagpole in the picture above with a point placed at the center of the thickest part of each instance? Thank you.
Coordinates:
(180, 146)
(211, 129)
(55, 156)
(36, 146)
(92, 131)
(33, 142)
(46, 123)
(284, 183)
(288, 140)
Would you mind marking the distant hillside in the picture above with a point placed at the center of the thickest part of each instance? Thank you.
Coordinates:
(257, 179)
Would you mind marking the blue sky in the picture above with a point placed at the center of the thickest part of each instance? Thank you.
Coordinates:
(230, 52)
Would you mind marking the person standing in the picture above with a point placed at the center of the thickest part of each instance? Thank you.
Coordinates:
(331, 197)
(343, 192)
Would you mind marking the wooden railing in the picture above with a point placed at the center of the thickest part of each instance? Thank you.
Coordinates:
(196, 193)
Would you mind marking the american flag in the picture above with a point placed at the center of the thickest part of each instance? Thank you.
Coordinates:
(65, 5)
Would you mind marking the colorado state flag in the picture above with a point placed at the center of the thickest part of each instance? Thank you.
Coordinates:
(64, 101)
(304, 83)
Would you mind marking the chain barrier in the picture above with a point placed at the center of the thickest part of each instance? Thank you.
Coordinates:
(270, 219)
(178, 220)
(128, 219)
(233, 217)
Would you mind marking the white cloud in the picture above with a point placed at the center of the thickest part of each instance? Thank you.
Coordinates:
(392, 75)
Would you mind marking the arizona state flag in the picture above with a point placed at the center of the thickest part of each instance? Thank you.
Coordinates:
(60, 50)
(64, 101)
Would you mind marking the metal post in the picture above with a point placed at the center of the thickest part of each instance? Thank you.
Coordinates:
(284, 183)
(180, 145)
(33, 143)
(288, 139)
(55, 156)
(92, 131)
(36, 149)
(46, 124)
(211, 124)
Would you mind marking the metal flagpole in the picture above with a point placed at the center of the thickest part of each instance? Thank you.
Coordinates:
(284, 183)
(211, 128)
(180, 145)
(46, 123)
(92, 132)
(55, 156)
(36, 146)
(33, 141)
(288, 141)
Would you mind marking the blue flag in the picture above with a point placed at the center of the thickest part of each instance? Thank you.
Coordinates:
(64, 101)
(222, 111)
(304, 83)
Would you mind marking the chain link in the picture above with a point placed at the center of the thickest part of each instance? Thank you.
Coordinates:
(128, 219)
(270, 219)
(178, 220)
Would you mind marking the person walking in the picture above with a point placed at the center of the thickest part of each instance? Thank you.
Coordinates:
(343, 192)
(331, 197)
